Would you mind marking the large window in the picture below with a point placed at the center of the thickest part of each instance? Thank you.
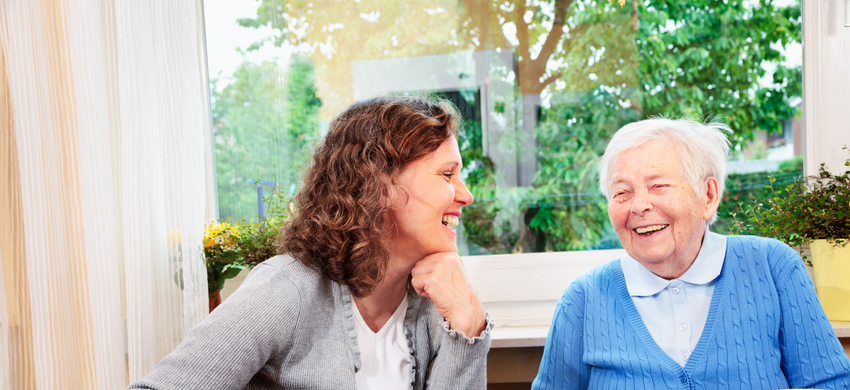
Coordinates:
(542, 86)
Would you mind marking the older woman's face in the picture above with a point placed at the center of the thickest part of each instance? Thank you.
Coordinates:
(658, 217)
(426, 222)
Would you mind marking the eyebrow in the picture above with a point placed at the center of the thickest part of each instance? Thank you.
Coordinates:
(653, 176)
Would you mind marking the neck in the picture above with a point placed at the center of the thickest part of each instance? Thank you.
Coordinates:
(377, 308)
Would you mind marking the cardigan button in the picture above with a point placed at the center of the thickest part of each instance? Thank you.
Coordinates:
(684, 379)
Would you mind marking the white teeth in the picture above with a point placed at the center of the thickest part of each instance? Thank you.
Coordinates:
(450, 220)
(643, 230)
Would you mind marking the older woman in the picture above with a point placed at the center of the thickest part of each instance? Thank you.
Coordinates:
(377, 215)
(686, 308)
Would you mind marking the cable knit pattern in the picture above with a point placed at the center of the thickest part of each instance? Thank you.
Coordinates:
(765, 330)
(288, 327)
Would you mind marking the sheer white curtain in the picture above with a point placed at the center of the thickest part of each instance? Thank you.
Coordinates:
(102, 188)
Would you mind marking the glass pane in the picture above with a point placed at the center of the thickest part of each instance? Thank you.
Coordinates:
(541, 85)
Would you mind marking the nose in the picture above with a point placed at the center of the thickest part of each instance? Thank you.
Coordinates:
(462, 194)
(641, 203)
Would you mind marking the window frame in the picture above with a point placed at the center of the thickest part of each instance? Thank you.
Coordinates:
(521, 290)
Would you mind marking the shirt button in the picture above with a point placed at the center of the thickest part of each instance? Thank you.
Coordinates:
(675, 290)
(684, 356)
(683, 327)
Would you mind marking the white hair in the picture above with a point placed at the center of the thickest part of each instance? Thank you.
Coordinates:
(702, 150)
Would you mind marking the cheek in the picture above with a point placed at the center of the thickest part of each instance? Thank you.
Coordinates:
(618, 214)
(687, 217)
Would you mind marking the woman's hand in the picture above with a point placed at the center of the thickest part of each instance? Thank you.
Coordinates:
(442, 278)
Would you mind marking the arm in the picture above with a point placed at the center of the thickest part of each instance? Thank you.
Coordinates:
(812, 357)
(464, 327)
(461, 362)
(228, 347)
(562, 366)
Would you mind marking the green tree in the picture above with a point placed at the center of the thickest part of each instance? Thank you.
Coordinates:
(594, 65)
(709, 63)
(265, 121)
(698, 58)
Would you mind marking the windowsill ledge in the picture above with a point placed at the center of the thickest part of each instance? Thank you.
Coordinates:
(519, 336)
(535, 336)
(842, 329)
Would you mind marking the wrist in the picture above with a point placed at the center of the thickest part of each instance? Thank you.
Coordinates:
(472, 325)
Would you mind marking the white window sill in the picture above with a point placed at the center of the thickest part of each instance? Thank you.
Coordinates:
(521, 290)
(535, 336)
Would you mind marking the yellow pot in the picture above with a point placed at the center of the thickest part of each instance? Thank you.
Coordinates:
(832, 278)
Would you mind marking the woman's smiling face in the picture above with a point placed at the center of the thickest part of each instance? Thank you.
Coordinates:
(658, 217)
(428, 209)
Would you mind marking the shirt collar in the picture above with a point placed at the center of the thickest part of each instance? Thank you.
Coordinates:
(642, 282)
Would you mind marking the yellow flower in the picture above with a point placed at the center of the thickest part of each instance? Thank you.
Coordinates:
(222, 235)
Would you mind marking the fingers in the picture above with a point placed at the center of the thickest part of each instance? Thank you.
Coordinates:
(441, 272)
(445, 264)
(441, 278)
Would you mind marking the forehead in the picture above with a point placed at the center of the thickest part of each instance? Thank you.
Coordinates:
(648, 161)
(447, 152)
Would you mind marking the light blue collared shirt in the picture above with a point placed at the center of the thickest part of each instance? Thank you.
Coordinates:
(674, 311)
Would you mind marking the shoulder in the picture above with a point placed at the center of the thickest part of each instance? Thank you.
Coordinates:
(283, 268)
(603, 274)
(760, 244)
(594, 282)
(779, 257)
(269, 287)
(285, 264)
(277, 285)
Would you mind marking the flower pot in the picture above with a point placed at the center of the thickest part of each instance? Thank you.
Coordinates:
(806, 253)
(832, 278)
(215, 300)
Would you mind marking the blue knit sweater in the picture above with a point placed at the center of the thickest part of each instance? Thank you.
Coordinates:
(765, 330)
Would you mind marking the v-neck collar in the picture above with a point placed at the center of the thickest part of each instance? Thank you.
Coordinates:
(396, 318)
(643, 332)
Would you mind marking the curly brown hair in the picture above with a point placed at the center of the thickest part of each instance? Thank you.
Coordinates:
(341, 225)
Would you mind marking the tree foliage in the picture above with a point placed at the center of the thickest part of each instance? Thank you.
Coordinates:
(698, 58)
(597, 65)
(265, 121)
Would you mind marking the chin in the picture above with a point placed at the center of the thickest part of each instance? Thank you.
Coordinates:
(650, 258)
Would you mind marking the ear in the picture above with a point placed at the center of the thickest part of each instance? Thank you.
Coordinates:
(712, 197)
(396, 194)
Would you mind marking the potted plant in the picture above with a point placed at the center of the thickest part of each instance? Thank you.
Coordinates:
(222, 256)
(231, 248)
(814, 210)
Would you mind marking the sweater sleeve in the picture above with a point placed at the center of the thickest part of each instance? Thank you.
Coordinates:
(812, 357)
(461, 362)
(562, 366)
(228, 347)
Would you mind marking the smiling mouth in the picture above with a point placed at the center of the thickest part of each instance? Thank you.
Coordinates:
(648, 230)
(450, 220)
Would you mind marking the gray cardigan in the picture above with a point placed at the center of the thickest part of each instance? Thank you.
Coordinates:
(289, 327)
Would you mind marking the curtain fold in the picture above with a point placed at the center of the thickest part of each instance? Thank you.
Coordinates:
(102, 189)
(160, 93)
(97, 124)
(17, 359)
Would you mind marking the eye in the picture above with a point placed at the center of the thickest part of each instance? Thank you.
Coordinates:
(448, 175)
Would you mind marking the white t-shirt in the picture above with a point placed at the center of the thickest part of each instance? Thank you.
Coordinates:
(384, 356)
